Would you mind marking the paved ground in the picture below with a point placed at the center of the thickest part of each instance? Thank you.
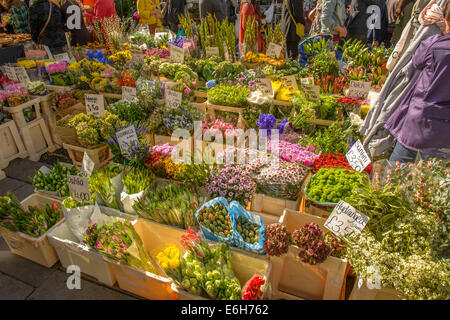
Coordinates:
(21, 279)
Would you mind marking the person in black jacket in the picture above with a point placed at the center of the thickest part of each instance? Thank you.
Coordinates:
(288, 25)
(170, 14)
(79, 36)
(218, 8)
(376, 36)
(357, 21)
(51, 35)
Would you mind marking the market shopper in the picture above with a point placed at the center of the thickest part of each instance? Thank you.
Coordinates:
(291, 18)
(46, 25)
(250, 9)
(422, 121)
(18, 21)
(150, 14)
(170, 13)
(314, 16)
(332, 19)
(402, 15)
(79, 36)
(217, 8)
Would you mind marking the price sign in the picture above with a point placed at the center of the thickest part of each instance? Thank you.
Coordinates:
(79, 188)
(95, 104)
(62, 57)
(49, 53)
(359, 89)
(22, 75)
(274, 50)
(126, 138)
(307, 81)
(357, 157)
(212, 51)
(345, 220)
(173, 98)
(88, 164)
(311, 92)
(10, 74)
(176, 54)
(290, 83)
(137, 58)
(264, 86)
(128, 93)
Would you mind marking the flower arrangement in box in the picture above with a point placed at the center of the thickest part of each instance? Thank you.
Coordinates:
(130, 111)
(106, 184)
(127, 79)
(148, 90)
(119, 58)
(33, 221)
(177, 72)
(233, 182)
(169, 203)
(295, 153)
(31, 68)
(231, 96)
(36, 88)
(84, 71)
(55, 180)
(228, 130)
(58, 75)
(161, 53)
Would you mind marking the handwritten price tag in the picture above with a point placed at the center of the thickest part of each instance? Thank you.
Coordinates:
(173, 98)
(311, 92)
(307, 81)
(126, 138)
(274, 50)
(10, 74)
(62, 57)
(264, 86)
(176, 54)
(128, 93)
(359, 89)
(357, 157)
(345, 220)
(95, 104)
(290, 83)
(88, 165)
(79, 188)
(22, 75)
(212, 51)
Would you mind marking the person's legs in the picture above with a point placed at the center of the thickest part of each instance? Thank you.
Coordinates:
(402, 154)
(292, 49)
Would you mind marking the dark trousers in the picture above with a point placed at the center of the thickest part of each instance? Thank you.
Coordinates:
(292, 49)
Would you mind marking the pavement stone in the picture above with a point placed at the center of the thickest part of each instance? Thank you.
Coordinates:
(9, 184)
(22, 169)
(12, 289)
(55, 288)
(27, 271)
(24, 191)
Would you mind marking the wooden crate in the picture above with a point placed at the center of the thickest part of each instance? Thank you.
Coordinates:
(293, 279)
(111, 95)
(37, 139)
(101, 155)
(73, 110)
(271, 205)
(362, 292)
(17, 112)
(282, 103)
(11, 144)
(49, 116)
(211, 108)
(54, 88)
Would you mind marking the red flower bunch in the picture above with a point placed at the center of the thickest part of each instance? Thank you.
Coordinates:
(253, 288)
(155, 162)
(5, 81)
(335, 161)
(350, 101)
(127, 79)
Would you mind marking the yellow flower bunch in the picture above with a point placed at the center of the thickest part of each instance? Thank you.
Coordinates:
(74, 66)
(84, 79)
(121, 56)
(98, 83)
(172, 169)
(169, 257)
(27, 64)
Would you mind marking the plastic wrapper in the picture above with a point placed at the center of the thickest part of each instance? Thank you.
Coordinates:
(256, 288)
(128, 200)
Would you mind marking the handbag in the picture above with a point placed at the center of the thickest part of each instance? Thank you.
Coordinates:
(299, 27)
(46, 24)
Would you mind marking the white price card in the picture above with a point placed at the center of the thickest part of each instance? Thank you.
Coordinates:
(212, 51)
(345, 220)
(49, 53)
(95, 104)
(176, 54)
(22, 75)
(126, 137)
(173, 98)
(79, 188)
(62, 57)
(264, 85)
(128, 93)
(88, 164)
(307, 81)
(359, 89)
(290, 83)
(357, 157)
(137, 58)
(10, 73)
(273, 50)
(311, 92)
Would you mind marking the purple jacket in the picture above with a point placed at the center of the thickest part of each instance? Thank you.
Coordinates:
(422, 121)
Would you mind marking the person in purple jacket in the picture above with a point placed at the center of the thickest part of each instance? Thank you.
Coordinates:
(422, 121)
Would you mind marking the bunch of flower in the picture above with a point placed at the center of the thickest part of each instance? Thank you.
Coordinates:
(180, 117)
(295, 153)
(158, 52)
(115, 240)
(4, 81)
(96, 55)
(268, 122)
(66, 100)
(149, 90)
(254, 288)
(310, 239)
(137, 179)
(165, 149)
(277, 239)
(120, 56)
(127, 79)
(100, 183)
(232, 183)
(169, 258)
(59, 67)
(212, 128)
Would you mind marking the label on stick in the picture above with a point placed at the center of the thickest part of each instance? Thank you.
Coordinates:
(273, 50)
(357, 157)
(126, 137)
(345, 220)
(264, 85)
(95, 104)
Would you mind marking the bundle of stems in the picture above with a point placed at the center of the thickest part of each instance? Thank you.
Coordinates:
(187, 24)
(250, 35)
(227, 30)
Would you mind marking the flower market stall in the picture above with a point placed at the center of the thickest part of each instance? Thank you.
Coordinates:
(199, 175)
